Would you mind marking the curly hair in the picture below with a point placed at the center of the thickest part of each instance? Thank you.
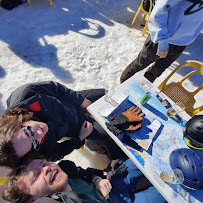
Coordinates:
(13, 191)
(10, 122)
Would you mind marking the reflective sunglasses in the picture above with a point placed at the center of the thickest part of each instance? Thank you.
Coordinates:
(28, 130)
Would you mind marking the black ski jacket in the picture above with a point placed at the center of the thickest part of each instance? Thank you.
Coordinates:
(58, 107)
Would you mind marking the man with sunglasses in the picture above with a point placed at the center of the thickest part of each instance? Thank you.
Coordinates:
(50, 118)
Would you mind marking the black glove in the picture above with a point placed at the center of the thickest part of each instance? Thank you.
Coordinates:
(115, 167)
(126, 127)
(129, 121)
(118, 119)
(116, 122)
(114, 129)
(119, 123)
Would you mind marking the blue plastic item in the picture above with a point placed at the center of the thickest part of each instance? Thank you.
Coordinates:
(190, 164)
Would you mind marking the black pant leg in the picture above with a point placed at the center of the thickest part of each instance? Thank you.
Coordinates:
(92, 94)
(160, 65)
(101, 142)
(145, 58)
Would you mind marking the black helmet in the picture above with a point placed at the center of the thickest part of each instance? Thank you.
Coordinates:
(193, 132)
(190, 164)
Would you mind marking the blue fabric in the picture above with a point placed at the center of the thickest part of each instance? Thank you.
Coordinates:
(123, 184)
(151, 195)
(177, 22)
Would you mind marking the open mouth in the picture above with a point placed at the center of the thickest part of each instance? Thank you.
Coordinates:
(54, 176)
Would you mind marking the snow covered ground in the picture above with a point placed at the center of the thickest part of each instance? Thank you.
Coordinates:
(80, 43)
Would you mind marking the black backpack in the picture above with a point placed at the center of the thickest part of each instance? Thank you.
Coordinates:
(10, 4)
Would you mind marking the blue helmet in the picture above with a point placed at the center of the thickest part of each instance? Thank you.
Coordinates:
(190, 164)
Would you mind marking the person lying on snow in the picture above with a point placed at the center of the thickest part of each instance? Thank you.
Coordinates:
(50, 118)
(120, 182)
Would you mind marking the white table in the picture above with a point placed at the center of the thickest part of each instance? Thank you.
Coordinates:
(169, 136)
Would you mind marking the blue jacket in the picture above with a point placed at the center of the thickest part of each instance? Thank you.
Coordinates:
(177, 22)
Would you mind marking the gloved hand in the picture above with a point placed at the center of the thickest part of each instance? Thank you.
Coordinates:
(126, 127)
(115, 167)
(133, 114)
(114, 129)
(128, 121)
(132, 127)
(118, 119)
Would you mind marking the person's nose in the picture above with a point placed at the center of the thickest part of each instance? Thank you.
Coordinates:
(38, 134)
(46, 170)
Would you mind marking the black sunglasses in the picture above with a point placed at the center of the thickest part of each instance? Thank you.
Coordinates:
(28, 130)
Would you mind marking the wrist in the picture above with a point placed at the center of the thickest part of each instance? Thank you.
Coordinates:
(82, 104)
(95, 180)
(163, 45)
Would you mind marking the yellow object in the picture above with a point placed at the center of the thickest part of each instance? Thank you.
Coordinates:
(64, 139)
(50, 1)
(178, 93)
(187, 142)
(67, 138)
(2, 180)
(145, 14)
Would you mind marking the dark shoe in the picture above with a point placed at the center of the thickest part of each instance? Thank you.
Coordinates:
(96, 146)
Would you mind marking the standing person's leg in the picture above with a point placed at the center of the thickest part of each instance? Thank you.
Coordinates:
(145, 58)
(160, 65)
